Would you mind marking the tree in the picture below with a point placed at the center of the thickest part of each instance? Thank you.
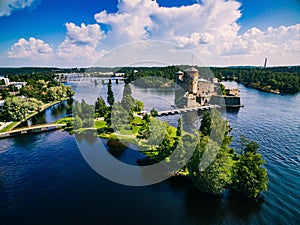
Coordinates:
(88, 122)
(154, 112)
(179, 127)
(249, 175)
(127, 102)
(120, 117)
(107, 118)
(127, 90)
(157, 131)
(16, 108)
(77, 122)
(139, 106)
(4, 93)
(205, 127)
(146, 118)
(100, 107)
(210, 172)
(144, 131)
(110, 95)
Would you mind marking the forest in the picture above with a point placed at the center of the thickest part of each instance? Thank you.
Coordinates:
(271, 79)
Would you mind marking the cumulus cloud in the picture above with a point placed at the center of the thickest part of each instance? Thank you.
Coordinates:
(186, 25)
(8, 6)
(80, 42)
(32, 49)
(210, 28)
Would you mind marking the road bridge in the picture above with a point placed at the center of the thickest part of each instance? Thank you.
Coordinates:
(31, 130)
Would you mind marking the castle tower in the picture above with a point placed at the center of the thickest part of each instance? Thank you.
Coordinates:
(179, 77)
(192, 79)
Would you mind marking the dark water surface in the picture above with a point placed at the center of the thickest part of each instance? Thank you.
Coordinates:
(45, 180)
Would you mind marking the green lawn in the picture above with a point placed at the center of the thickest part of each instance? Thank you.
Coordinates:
(7, 128)
(64, 120)
(100, 124)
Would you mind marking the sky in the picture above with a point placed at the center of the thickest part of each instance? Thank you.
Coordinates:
(77, 33)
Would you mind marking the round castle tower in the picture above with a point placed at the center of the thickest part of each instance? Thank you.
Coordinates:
(193, 76)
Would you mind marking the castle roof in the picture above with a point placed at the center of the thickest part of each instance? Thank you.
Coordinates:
(191, 69)
(179, 72)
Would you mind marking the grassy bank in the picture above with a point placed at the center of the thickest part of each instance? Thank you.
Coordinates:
(44, 107)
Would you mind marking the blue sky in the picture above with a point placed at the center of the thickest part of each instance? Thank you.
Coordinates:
(76, 32)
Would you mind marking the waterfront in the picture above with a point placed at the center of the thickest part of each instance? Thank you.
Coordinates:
(44, 179)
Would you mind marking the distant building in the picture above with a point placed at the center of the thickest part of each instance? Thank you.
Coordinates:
(232, 91)
(6, 80)
(215, 80)
(119, 74)
(18, 85)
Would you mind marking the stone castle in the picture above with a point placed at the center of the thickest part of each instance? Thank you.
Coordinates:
(196, 91)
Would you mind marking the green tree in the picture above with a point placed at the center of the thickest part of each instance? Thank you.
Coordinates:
(120, 117)
(146, 118)
(139, 106)
(127, 90)
(127, 102)
(144, 131)
(4, 93)
(205, 127)
(110, 95)
(210, 168)
(77, 122)
(154, 112)
(107, 118)
(249, 175)
(100, 107)
(157, 131)
(179, 127)
(16, 108)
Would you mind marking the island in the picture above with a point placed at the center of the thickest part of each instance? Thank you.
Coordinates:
(241, 170)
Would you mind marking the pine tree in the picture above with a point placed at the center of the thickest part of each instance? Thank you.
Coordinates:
(110, 95)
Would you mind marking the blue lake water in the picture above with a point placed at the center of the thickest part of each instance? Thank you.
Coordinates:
(45, 180)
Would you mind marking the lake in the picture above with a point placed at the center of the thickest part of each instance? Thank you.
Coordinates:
(45, 180)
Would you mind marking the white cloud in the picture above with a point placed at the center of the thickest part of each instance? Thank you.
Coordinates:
(8, 6)
(32, 49)
(191, 25)
(81, 42)
(210, 28)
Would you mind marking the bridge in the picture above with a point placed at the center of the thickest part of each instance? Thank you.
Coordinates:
(80, 77)
(31, 130)
(183, 110)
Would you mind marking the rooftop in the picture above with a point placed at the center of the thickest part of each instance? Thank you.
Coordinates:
(191, 69)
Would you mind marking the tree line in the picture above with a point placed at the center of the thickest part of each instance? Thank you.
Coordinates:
(278, 79)
(281, 79)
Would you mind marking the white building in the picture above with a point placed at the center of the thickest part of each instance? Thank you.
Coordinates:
(6, 80)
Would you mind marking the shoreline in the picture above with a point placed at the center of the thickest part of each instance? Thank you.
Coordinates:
(17, 123)
(259, 88)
